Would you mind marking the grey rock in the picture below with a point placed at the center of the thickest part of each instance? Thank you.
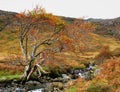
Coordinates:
(97, 71)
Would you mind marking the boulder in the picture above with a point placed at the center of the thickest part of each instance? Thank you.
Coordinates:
(58, 85)
(30, 85)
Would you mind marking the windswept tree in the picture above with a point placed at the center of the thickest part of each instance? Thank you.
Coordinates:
(36, 31)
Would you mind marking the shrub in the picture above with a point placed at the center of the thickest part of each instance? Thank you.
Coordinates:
(108, 80)
(10, 69)
(111, 73)
(104, 53)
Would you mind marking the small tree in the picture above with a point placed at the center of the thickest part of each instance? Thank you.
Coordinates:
(104, 53)
(77, 35)
(36, 31)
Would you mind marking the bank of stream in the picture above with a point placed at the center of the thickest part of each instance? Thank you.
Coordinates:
(48, 84)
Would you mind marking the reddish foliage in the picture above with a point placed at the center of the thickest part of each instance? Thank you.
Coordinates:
(12, 69)
(111, 73)
(105, 53)
(79, 33)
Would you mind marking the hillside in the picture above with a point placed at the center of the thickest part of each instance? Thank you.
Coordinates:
(5, 18)
(108, 27)
(9, 39)
(80, 43)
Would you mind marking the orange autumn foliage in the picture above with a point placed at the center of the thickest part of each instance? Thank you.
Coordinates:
(108, 80)
(12, 69)
(77, 35)
(104, 53)
(111, 72)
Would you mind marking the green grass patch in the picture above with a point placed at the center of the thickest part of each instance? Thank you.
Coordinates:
(8, 78)
(72, 89)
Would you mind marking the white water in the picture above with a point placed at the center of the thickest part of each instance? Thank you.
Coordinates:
(36, 90)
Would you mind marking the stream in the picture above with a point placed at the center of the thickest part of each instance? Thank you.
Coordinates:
(53, 85)
(37, 90)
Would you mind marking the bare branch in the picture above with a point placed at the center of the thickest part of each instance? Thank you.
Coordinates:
(26, 48)
(42, 52)
(32, 70)
(38, 66)
(20, 61)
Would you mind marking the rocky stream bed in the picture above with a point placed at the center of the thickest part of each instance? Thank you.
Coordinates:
(48, 84)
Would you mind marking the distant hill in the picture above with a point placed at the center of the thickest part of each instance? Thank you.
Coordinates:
(108, 27)
(67, 19)
(5, 17)
(6, 13)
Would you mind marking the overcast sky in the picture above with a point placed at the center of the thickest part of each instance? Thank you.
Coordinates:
(69, 8)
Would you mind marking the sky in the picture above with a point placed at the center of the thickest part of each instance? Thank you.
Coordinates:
(70, 8)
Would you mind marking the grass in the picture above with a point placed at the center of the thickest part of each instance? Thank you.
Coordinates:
(110, 41)
(72, 89)
(97, 87)
(9, 73)
(8, 78)
(7, 40)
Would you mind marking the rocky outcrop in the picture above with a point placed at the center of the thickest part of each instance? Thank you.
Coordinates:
(110, 27)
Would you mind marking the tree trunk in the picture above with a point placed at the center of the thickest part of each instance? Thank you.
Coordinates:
(29, 69)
